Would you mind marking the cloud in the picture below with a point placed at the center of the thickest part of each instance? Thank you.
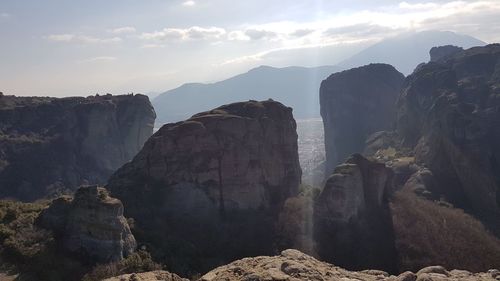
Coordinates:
(123, 30)
(358, 30)
(61, 37)
(98, 59)
(4, 15)
(152, 46)
(301, 32)
(188, 3)
(192, 33)
(237, 35)
(82, 39)
(256, 34)
(417, 6)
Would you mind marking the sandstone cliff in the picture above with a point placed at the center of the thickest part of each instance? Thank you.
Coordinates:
(91, 225)
(200, 187)
(51, 145)
(352, 222)
(354, 104)
(449, 111)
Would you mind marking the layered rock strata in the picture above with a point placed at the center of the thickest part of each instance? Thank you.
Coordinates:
(208, 183)
(449, 111)
(50, 146)
(352, 221)
(91, 225)
(354, 104)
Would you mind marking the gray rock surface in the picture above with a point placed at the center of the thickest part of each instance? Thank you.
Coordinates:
(352, 222)
(444, 52)
(354, 104)
(449, 111)
(215, 180)
(50, 146)
(91, 225)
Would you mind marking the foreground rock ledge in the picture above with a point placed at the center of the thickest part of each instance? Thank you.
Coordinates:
(148, 276)
(294, 265)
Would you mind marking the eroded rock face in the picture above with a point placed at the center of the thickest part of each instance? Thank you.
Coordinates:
(354, 104)
(91, 225)
(444, 52)
(294, 265)
(214, 180)
(49, 145)
(352, 220)
(449, 110)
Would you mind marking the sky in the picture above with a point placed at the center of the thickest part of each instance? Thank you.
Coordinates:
(67, 48)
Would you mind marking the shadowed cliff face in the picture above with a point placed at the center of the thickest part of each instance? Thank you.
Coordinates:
(208, 183)
(449, 110)
(91, 225)
(354, 104)
(51, 145)
(352, 221)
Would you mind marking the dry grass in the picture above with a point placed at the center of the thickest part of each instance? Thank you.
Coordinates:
(430, 234)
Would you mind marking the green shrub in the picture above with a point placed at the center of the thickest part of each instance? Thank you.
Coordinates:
(140, 261)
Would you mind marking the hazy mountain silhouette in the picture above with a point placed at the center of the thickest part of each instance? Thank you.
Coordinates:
(297, 87)
(407, 51)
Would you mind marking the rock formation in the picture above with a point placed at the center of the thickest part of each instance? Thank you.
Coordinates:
(443, 52)
(206, 184)
(351, 216)
(91, 225)
(354, 104)
(51, 145)
(148, 276)
(294, 266)
(449, 111)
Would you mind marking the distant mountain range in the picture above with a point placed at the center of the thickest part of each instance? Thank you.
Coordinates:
(298, 87)
(406, 51)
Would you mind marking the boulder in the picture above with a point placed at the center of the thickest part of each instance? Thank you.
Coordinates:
(213, 181)
(352, 223)
(91, 225)
(50, 146)
(449, 112)
(354, 104)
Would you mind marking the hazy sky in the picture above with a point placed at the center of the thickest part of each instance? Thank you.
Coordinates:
(61, 47)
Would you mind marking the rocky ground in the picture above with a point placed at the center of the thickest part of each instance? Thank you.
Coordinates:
(293, 265)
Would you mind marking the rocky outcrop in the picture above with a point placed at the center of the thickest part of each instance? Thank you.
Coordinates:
(91, 225)
(148, 276)
(351, 216)
(294, 265)
(208, 183)
(50, 146)
(354, 104)
(443, 52)
(449, 111)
